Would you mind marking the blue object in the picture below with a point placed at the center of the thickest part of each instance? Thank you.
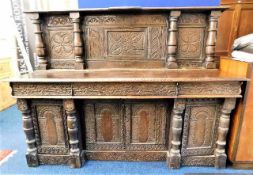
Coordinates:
(12, 137)
(145, 3)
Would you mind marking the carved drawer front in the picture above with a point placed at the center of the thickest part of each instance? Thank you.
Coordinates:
(59, 36)
(200, 127)
(145, 126)
(50, 127)
(125, 38)
(104, 125)
(191, 39)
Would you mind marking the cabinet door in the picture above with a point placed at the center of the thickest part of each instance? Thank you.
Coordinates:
(50, 126)
(145, 126)
(200, 127)
(104, 125)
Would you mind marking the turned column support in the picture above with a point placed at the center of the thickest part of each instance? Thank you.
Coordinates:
(220, 154)
(172, 40)
(73, 133)
(39, 43)
(78, 42)
(174, 155)
(31, 155)
(211, 40)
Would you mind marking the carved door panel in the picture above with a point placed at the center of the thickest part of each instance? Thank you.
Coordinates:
(145, 126)
(50, 128)
(104, 125)
(200, 127)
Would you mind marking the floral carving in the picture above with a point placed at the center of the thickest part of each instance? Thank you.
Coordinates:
(61, 44)
(190, 41)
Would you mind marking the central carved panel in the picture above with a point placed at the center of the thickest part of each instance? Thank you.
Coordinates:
(126, 43)
(125, 37)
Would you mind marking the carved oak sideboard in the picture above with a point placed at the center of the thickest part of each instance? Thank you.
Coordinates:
(127, 84)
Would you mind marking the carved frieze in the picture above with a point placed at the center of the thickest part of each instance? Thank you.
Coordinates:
(217, 88)
(54, 159)
(59, 21)
(192, 19)
(124, 89)
(198, 160)
(129, 155)
(41, 89)
(127, 89)
(142, 37)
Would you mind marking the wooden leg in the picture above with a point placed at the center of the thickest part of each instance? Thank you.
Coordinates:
(31, 155)
(174, 156)
(220, 155)
(75, 152)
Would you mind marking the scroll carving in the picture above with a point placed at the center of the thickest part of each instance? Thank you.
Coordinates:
(172, 40)
(123, 89)
(211, 40)
(78, 42)
(39, 43)
(222, 88)
(31, 155)
(174, 157)
(220, 154)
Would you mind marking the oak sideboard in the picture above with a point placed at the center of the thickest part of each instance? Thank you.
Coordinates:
(135, 84)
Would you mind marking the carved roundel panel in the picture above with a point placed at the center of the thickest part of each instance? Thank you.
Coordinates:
(61, 44)
(190, 42)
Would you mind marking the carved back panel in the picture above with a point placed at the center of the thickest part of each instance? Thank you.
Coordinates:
(58, 32)
(125, 38)
(49, 120)
(120, 40)
(200, 127)
(192, 29)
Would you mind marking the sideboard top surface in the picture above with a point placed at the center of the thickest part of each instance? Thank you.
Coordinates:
(128, 75)
(130, 8)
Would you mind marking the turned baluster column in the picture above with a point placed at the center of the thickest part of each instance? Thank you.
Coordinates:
(39, 43)
(172, 40)
(220, 154)
(31, 155)
(72, 124)
(174, 156)
(78, 42)
(211, 40)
